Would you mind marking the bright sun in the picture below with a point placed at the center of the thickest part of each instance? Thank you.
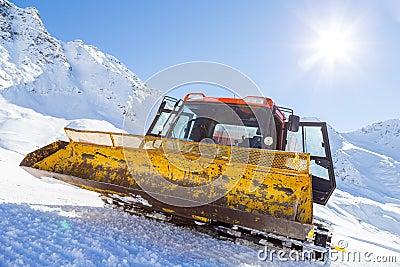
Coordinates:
(332, 46)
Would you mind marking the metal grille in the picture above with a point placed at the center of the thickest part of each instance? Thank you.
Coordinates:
(261, 158)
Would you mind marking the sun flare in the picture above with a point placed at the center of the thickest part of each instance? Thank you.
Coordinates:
(332, 46)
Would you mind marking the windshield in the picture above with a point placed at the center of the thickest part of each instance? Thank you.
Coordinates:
(226, 124)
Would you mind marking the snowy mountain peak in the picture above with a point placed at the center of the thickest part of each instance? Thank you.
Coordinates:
(383, 137)
(20, 22)
(109, 62)
(28, 50)
(388, 127)
(71, 80)
(369, 158)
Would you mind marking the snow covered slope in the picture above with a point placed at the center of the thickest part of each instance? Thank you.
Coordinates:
(382, 137)
(365, 207)
(66, 80)
(368, 162)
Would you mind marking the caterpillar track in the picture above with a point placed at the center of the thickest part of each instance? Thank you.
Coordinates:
(317, 243)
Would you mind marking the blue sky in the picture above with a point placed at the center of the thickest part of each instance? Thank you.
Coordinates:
(290, 49)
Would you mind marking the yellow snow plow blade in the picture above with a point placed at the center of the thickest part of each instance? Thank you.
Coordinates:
(265, 190)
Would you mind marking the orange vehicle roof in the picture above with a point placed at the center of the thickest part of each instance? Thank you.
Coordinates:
(200, 97)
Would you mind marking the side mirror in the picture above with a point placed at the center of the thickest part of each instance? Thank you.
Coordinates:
(294, 123)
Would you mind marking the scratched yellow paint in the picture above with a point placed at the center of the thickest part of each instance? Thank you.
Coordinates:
(280, 192)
